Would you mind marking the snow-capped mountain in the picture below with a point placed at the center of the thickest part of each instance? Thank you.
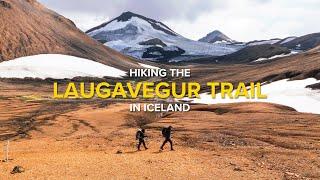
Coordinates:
(145, 38)
(216, 37)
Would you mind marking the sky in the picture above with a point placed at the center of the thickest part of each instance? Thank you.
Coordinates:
(241, 20)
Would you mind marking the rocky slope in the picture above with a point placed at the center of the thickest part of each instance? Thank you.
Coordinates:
(253, 53)
(302, 43)
(29, 28)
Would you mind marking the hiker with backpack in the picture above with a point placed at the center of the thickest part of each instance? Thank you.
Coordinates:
(140, 135)
(166, 133)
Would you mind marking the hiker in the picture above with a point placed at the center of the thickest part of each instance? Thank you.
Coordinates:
(140, 135)
(166, 133)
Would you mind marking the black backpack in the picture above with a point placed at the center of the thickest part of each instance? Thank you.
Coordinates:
(164, 132)
(138, 134)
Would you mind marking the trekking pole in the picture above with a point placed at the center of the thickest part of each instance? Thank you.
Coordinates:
(7, 151)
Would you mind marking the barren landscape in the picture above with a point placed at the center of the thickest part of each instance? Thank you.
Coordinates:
(46, 138)
(77, 139)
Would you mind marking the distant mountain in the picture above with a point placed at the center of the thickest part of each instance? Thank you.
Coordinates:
(253, 53)
(248, 54)
(145, 38)
(263, 50)
(303, 43)
(28, 28)
(216, 37)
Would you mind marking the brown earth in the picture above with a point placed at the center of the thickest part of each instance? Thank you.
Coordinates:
(29, 28)
(80, 139)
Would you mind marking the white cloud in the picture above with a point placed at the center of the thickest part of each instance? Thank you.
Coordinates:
(242, 20)
(245, 20)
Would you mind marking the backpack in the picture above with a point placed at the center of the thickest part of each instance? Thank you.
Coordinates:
(138, 134)
(164, 132)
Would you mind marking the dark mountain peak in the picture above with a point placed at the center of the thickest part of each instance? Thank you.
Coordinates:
(216, 36)
(216, 32)
(126, 16)
(128, 13)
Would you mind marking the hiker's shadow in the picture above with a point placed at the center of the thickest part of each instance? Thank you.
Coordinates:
(158, 152)
(6, 160)
(132, 152)
(135, 151)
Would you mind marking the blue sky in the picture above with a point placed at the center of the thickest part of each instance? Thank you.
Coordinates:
(242, 20)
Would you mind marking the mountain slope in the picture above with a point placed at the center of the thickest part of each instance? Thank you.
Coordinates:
(28, 28)
(145, 38)
(216, 37)
(247, 55)
(252, 53)
(303, 43)
(300, 66)
(261, 42)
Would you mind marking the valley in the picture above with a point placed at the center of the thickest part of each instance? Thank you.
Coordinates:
(77, 139)
(249, 110)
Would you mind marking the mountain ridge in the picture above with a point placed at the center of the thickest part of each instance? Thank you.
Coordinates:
(125, 16)
(29, 28)
(128, 33)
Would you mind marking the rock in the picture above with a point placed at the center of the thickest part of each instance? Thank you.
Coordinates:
(237, 169)
(290, 175)
(5, 4)
(119, 152)
(317, 76)
(17, 169)
(314, 86)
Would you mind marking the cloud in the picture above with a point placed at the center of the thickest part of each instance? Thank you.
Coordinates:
(160, 9)
(242, 20)
(247, 20)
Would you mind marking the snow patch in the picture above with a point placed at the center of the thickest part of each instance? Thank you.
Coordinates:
(55, 66)
(148, 66)
(288, 40)
(271, 41)
(288, 93)
(276, 56)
